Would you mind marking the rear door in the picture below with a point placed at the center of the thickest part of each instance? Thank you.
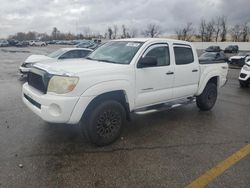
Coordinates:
(186, 72)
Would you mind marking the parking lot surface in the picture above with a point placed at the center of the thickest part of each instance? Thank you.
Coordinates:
(166, 149)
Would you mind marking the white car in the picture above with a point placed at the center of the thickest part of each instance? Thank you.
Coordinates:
(244, 77)
(61, 54)
(239, 60)
(118, 78)
(37, 43)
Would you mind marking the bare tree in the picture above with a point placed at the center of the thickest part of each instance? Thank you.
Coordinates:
(217, 28)
(55, 33)
(133, 32)
(188, 32)
(110, 33)
(178, 32)
(236, 33)
(209, 31)
(152, 30)
(224, 29)
(245, 32)
(185, 33)
(115, 29)
(202, 29)
(124, 32)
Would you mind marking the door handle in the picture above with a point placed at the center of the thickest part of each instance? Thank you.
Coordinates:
(169, 73)
(194, 70)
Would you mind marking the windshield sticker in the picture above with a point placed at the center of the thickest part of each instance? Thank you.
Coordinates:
(133, 44)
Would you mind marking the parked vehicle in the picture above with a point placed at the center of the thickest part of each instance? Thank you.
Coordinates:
(239, 60)
(213, 49)
(244, 77)
(37, 43)
(232, 49)
(87, 44)
(61, 54)
(22, 44)
(118, 78)
(98, 41)
(4, 43)
(212, 57)
(51, 42)
(12, 42)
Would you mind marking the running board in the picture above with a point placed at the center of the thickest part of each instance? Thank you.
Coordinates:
(164, 106)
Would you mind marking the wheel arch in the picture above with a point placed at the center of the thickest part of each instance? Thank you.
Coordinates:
(117, 95)
(209, 79)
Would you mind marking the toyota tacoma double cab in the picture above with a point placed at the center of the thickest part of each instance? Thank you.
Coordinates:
(119, 78)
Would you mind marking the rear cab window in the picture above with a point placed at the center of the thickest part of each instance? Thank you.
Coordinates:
(183, 55)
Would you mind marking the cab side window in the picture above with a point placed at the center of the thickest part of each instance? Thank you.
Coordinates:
(83, 53)
(161, 53)
(183, 55)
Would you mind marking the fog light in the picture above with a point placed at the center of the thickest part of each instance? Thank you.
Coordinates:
(55, 110)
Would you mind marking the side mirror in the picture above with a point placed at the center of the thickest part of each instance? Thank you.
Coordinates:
(147, 61)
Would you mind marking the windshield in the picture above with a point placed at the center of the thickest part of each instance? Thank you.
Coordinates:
(120, 52)
(56, 53)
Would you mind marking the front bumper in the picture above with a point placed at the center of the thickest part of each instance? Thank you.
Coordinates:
(244, 76)
(54, 108)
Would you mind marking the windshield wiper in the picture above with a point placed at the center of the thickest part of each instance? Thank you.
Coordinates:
(106, 61)
(101, 60)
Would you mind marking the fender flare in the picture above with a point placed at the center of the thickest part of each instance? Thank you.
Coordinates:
(109, 86)
(205, 79)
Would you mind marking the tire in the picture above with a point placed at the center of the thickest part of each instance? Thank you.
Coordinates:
(103, 125)
(243, 85)
(206, 100)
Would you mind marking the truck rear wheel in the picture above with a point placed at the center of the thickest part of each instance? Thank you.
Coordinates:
(206, 100)
(103, 125)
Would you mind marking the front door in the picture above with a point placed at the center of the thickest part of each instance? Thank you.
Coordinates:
(154, 84)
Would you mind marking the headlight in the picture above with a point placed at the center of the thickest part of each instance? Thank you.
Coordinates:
(27, 65)
(246, 68)
(62, 84)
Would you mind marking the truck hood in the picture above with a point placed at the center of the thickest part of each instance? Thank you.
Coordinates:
(74, 67)
(37, 58)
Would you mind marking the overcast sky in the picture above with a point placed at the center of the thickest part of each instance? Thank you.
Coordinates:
(77, 15)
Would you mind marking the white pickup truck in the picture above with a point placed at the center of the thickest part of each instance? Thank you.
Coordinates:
(120, 77)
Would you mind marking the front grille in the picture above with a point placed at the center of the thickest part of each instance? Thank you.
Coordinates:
(36, 81)
(39, 79)
(242, 75)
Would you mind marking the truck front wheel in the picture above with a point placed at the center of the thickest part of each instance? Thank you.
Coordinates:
(103, 124)
(206, 100)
